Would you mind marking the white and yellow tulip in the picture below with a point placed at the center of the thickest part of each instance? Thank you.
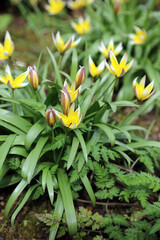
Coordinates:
(6, 50)
(18, 82)
(142, 92)
(139, 37)
(96, 70)
(55, 6)
(105, 51)
(118, 69)
(75, 5)
(82, 27)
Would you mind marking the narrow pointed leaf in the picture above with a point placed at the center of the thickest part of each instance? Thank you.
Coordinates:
(108, 131)
(89, 189)
(50, 187)
(74, 148)
(82, 142)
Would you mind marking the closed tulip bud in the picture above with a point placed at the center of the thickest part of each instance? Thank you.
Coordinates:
(65, 100)
(117, 6)
(33, 77)
(80, 76)
(50, 117)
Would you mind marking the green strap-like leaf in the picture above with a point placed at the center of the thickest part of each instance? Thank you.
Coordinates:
(44, 177)
(108, 131)
(9, 180)
(58, 76)
(18, 151)
(65, 190)
(25, 199)
(59, 208)
(89, 189)
(32, 159)
(82, 142)
(50, 187)
(74, 65)
(15, 120)
(10, 127)
(17, 191)
(5, 147)
(32, 134)
(74, 148)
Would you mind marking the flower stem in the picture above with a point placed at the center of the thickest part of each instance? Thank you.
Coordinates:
(114, 83)
(38, 96)
(14, 107)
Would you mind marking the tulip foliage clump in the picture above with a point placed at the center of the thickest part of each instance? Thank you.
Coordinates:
(64, 128)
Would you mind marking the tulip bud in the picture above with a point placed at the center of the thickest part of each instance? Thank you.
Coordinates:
(65, 100)
(33, 77)
(50, 117)
(117, 6)
(80, 76)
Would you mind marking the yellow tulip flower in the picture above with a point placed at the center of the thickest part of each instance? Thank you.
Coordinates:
(142, 92)
(139, 37)
(14, 83)
(73, 92)
(72, 120)
(6, 50)
(55, 6)
(95, 71)
(118, 69)
(75, 5)
(63, 47)
(105, 51)
(82, 27)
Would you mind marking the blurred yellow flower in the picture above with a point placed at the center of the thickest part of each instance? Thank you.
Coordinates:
(95, 71)
(105, 51)
(63, 47)
(14, 83)
(55, 6)
(6, 50)
(73, 92)
(72, 120)
(142, 92)
(75, 5)
(82, 27)
(118, 69)
(139, 37)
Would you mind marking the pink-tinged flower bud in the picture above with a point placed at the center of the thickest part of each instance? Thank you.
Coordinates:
(80, 76)
(65, 100)
(117, 6)
(50, 117)
(33, 77)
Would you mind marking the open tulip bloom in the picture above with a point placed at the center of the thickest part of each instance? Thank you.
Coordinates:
(55, 6)
(142, 92)
(18, 82)
(139, 37)
(61, 46)
(6, 50)
(72, 119)
(118, 69)
(95, 71)
(75, 5)
(105, 51)
(82, 27)
(73, 92)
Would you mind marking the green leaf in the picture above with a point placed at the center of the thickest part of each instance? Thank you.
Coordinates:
(9, 180)
(5, 20)
(10, 127)
(130, 119)
(15, 120)
(58, 76)
(5, 147)
(89, 189)
(59, 208)
(65, 190)
(108, 131)
(74, 65)
(18, 151)
(50, 186)
(44, 177)
(67, 76)
(17, 191)
(32, 159)
(87, 101)
(25, 199)
(74, 148)
(32, 134)
(82, 142)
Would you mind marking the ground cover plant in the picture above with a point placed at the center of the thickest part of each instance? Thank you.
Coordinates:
(68, 119)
